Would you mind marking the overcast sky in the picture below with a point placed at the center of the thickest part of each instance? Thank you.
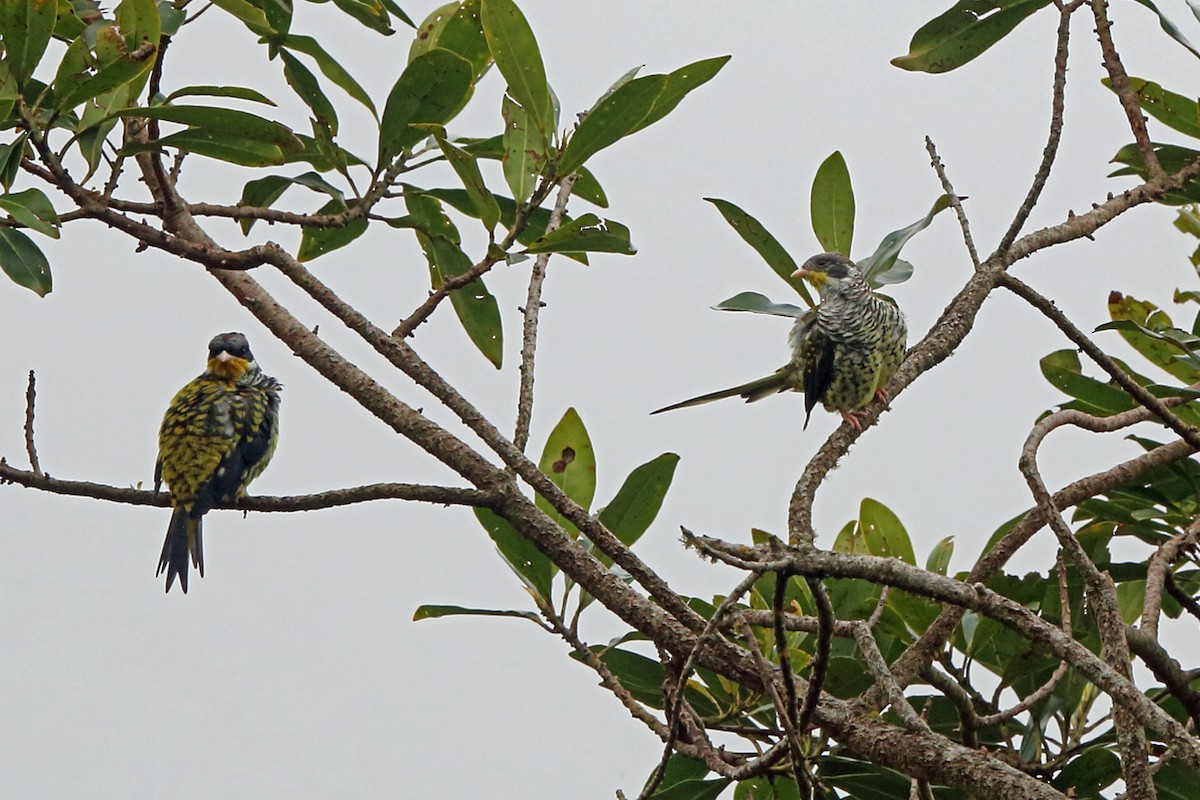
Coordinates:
(293, 670)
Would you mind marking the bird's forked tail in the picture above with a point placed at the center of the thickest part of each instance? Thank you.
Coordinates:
(183, 542)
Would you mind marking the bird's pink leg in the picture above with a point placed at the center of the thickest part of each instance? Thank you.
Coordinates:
(882, 396)
(854, 419)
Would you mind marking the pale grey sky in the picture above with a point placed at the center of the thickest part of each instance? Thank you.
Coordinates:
(293, 669)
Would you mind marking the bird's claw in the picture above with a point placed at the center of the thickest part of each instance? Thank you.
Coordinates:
(882, 396)
(854, 419)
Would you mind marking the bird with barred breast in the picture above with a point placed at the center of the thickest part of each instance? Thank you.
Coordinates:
(844, 350)
(218, 434)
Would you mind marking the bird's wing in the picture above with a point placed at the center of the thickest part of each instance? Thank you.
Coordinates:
(754, 390)
(817, 358)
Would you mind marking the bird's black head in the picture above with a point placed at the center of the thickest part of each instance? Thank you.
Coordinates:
(229, 355)
(827, 270)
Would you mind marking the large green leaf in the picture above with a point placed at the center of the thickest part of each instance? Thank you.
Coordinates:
(475, 306)
(538, 218)
(207, 142)
(534, 569)
(586, 234)
(679, 84)
(759, 304)
(371, 13)
(220, 122)
(570, 462)
(638, 501)
(467, 169)
(885, 534)
(965, 31)
(239, 92)
(330, 68)
(123, 55)
(431, 90)
(23, 262)
(525, 149)
(32, 209)
(26, 26)
(1173, 110)
(456, 27)
(262, 192)
(883, 266)
(1095, 769)
(1062, 369)
(519, 60)
(1171, 158)
(766, 245)
(831, 205)
(306, 87)
(613, 118)
(316, 242)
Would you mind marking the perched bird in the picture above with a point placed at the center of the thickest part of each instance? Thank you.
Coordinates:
(844, 350)
(217, 435)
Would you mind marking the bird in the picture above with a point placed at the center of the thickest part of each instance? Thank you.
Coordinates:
(844, 349)
(217, 435)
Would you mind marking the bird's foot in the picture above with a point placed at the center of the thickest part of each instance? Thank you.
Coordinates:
(854, 419)
(882, 396)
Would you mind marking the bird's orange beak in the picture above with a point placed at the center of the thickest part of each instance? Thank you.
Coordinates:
(815, 277)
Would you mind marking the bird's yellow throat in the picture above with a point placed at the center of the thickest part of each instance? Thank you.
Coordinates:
(230, 368)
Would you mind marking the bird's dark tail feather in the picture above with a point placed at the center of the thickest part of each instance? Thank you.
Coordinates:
(183, 541)
(754, 390)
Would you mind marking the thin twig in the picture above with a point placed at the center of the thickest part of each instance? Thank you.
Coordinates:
(1120, 84)
(531, 311)
(1057, 106)
(955, 201)
(1156, 575)
(820, 662)
(334, 498)
(30, 447)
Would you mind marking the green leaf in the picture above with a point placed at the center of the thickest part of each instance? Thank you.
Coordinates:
(32, 209)
(10, 160)
(534, 569)
(613, 118)
(316, 242)
(1088, 774)
(638, 501)
(692, 790)
(885, 534)
(456, 27)
(1176, 781)
(475, 306)
(759, 304)
(766, 245)
(262, 192)
(437, 612)
(8, 91)
(251, 15)
(206, 142)
(431, 90)
(588, 188)
(570, 462)
(1173, 110)
(524, 150)
(965, 31)
(330, 68)
(23, 262)
(26, 26)
(679, 84)
(1061, 368)
(238, 92)
(306, 87)
(1172, 158)
(220, 122)
(939, 556)
(862, 779)
(1170, 28)
(538, 218)
(467, 169)
(170, 18)
(1148, 330)
(116, 63)
(586, 234)
(370, 13)
(831, 205)
(882, 266)
(515, 50)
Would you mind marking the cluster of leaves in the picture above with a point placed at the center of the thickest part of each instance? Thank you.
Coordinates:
(102, 80)
(831, 208)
